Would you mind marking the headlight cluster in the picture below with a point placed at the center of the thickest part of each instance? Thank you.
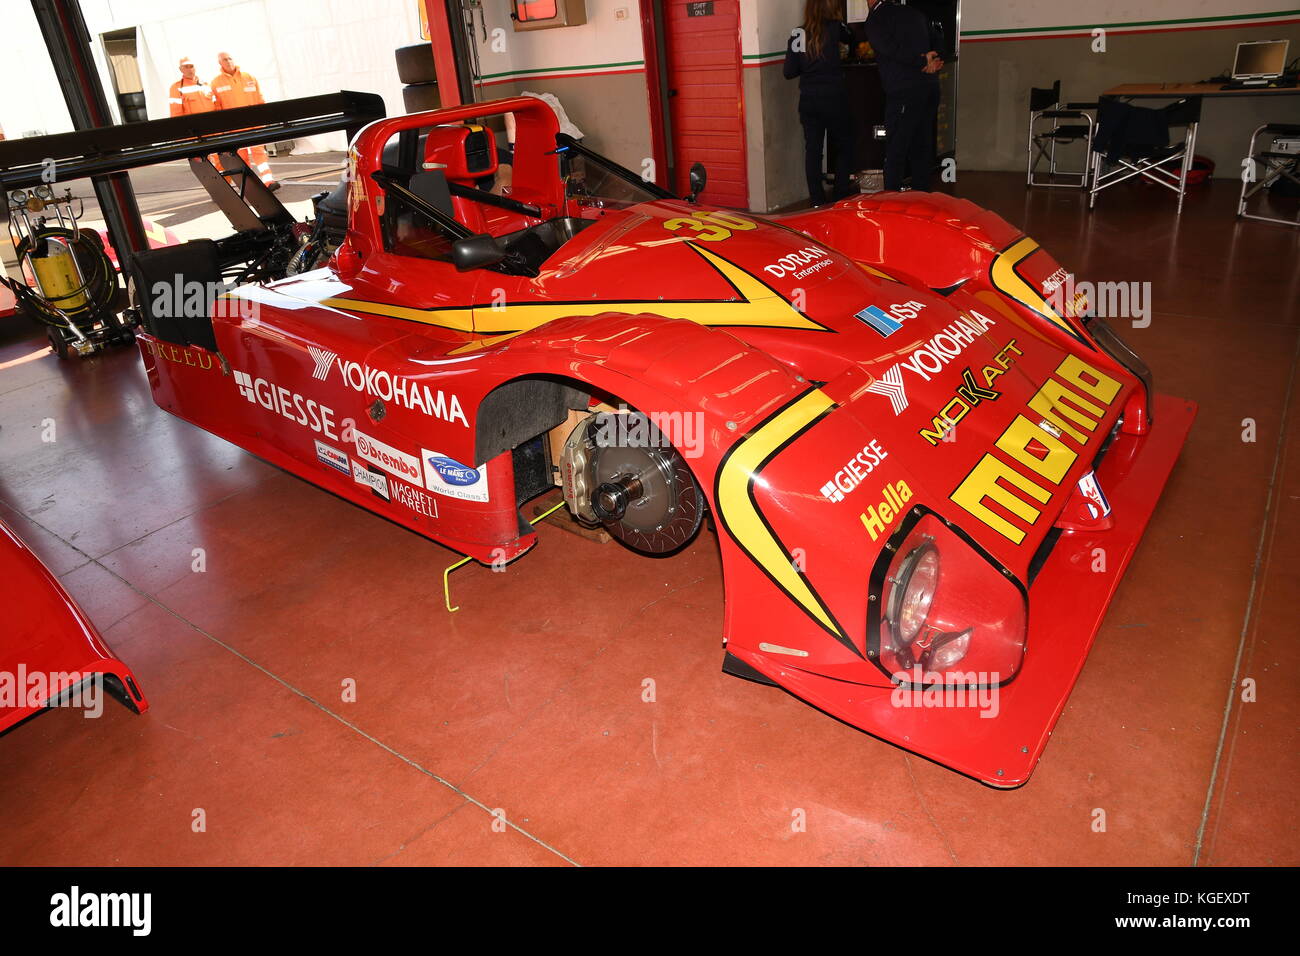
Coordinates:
(942, 611)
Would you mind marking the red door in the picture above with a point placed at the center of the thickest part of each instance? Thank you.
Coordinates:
(706, 100)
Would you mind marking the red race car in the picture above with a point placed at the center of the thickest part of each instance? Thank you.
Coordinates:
(909, 446)
(50, 653)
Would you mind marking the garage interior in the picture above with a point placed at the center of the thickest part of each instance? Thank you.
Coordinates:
(313, 700)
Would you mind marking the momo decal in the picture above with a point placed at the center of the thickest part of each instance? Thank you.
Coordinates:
(975, 389)
(1068, 409)
(446, 476)
(392, 460)
(852, 474)
(291, 405)
(384, 385)
(329, 455)
(930, 358)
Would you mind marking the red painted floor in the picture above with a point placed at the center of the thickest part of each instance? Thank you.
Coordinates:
(526, 705)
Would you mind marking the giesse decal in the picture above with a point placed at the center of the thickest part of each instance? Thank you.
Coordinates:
(1067, 406)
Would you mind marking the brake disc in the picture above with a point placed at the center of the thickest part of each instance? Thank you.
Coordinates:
(621, 472)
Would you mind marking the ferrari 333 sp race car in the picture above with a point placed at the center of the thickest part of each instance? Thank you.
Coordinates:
(909, 448)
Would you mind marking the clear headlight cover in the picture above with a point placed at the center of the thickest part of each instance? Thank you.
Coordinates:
(943, 611)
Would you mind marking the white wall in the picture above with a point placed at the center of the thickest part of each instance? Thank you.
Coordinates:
(293, 48)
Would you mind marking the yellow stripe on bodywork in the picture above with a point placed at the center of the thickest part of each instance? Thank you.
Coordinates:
(757, 306)
(739, 514)
(872, 270)
(1006, 280)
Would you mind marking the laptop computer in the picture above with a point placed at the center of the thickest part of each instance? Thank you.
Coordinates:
(1259, 62)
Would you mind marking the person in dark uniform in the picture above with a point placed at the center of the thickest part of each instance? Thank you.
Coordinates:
(813, 55)
(909, 71)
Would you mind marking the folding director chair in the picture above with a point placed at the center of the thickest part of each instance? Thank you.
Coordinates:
(1045, 106)
(1270, 168)
(1134, 141)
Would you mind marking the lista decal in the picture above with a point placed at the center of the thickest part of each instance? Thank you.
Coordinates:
(858, 467)
(879, 517)
(414, 499)
(889, 322)
(331, 456)
(1068, 409)
(371, 479)
(291, 405)
(930, 358)
(447, 476)
(381, 384)
(392, 460)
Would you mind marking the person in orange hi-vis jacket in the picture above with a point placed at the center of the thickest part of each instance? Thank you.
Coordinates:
(234, 88)
(191, 95)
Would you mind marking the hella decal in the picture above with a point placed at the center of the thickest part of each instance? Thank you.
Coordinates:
(879, 517)
(1068, 409)
(291, 405)
(446, 476)
(852, 474)
(930, 358)
(392, 460)
(384, 385)
(975, 388)
(373, 480)
(889, 322)
(331, 456)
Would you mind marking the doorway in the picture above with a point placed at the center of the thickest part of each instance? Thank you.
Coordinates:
(696, 78)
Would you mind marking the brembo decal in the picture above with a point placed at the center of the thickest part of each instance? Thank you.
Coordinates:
(741, 518)
(1067, 410)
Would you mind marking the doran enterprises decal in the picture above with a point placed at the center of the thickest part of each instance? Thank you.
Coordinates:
(447, 476)
(393, 461)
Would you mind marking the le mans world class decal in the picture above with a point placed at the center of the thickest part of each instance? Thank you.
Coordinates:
(1068, 409)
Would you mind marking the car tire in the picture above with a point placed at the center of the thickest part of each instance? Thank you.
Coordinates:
(415, 64)
(421, 97)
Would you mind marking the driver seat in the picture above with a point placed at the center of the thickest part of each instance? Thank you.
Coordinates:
(466, 155)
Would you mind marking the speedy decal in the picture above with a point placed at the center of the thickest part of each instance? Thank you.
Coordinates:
(851, 475)
(973, 390)
(371, 479)
(879, 517)
(447, 476)
(291, 405)
(393, 461)
(179, 355)
(930, 357)
(1068, 410)
(331, 456)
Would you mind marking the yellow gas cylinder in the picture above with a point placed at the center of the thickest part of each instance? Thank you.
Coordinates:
(57, 277)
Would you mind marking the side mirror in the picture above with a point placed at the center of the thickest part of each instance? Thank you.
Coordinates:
(699, 179)
(476, 252)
